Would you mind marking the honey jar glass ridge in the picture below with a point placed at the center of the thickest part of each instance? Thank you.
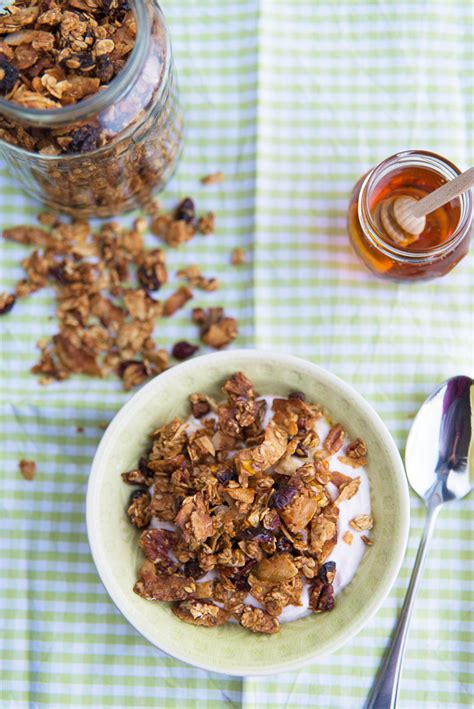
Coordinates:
(125, 140)
(445, 240)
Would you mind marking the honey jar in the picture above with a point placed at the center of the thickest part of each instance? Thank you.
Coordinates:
(445, 238)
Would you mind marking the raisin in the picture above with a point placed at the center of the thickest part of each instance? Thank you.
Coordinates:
(257, 534)
(86, 61)
(144, 469)
(283, 545)
(226, 475)
(148, 278)
(183, 350)
(7, 301)
(296, 396)
(105, 68)
(327, 572)
(186, 211)
(8, 76)
(84, 139)
(282, 497)
(192, 568)
(241, 584)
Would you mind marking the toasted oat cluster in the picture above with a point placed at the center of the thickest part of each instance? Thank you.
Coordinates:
(57, 53)
(236, 513)
(54, 53)
(105, 285)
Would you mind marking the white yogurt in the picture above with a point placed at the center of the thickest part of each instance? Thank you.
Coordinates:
(347, 557)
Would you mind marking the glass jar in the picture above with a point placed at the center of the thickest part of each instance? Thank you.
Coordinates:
(122, 144)
(445, 240)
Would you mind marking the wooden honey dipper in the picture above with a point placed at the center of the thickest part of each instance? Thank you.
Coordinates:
(403, 218)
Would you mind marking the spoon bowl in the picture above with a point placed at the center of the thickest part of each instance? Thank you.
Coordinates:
(438, 459)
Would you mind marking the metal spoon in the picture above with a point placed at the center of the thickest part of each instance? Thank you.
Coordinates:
(439, 461)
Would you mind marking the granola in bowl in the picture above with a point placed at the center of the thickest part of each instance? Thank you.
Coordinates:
(254, 510)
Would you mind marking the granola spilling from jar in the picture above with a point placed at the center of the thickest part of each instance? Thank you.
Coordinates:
(244, 510)
(56, 54)
(106, 284)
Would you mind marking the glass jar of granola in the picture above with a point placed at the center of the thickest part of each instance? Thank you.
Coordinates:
(90, 121)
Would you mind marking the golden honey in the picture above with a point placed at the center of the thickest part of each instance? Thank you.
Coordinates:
(443, 242)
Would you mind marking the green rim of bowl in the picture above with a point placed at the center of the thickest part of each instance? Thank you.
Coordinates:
(230, 649)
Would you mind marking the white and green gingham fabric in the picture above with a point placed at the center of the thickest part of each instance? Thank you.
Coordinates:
(293, 100)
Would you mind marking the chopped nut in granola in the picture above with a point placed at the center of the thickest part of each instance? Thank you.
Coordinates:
(218, 501)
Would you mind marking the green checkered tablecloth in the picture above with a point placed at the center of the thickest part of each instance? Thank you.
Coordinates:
(293, 100)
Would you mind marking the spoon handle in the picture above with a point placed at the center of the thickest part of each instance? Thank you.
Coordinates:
(384, 693)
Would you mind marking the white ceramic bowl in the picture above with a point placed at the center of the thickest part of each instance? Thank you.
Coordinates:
(230, 648)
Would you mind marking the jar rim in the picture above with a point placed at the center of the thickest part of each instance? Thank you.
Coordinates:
(55, 117)
(428, 159)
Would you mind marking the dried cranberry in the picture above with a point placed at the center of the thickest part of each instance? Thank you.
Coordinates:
(241, 584)
(327, 572)
(226, 475)
(258, 534)
(297, 396)
(186, 211)
(84, 139)
(283, 545)
(282, 497)
(148, 278)
(183, 350)
(8, 76)
(192, 568)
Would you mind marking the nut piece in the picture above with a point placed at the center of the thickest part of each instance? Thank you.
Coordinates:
(203, 613)
(27, 469)
(348, 490)
(275, 569)
(361, 523)
(334, 439)
(176, 301)
(348, 537)
(368, 542)
(214, 179)
(7, 301)
(321, 596)
(258, 621)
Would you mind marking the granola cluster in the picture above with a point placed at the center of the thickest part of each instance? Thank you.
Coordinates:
(55, 54)
(106, 284)
(236, 513)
